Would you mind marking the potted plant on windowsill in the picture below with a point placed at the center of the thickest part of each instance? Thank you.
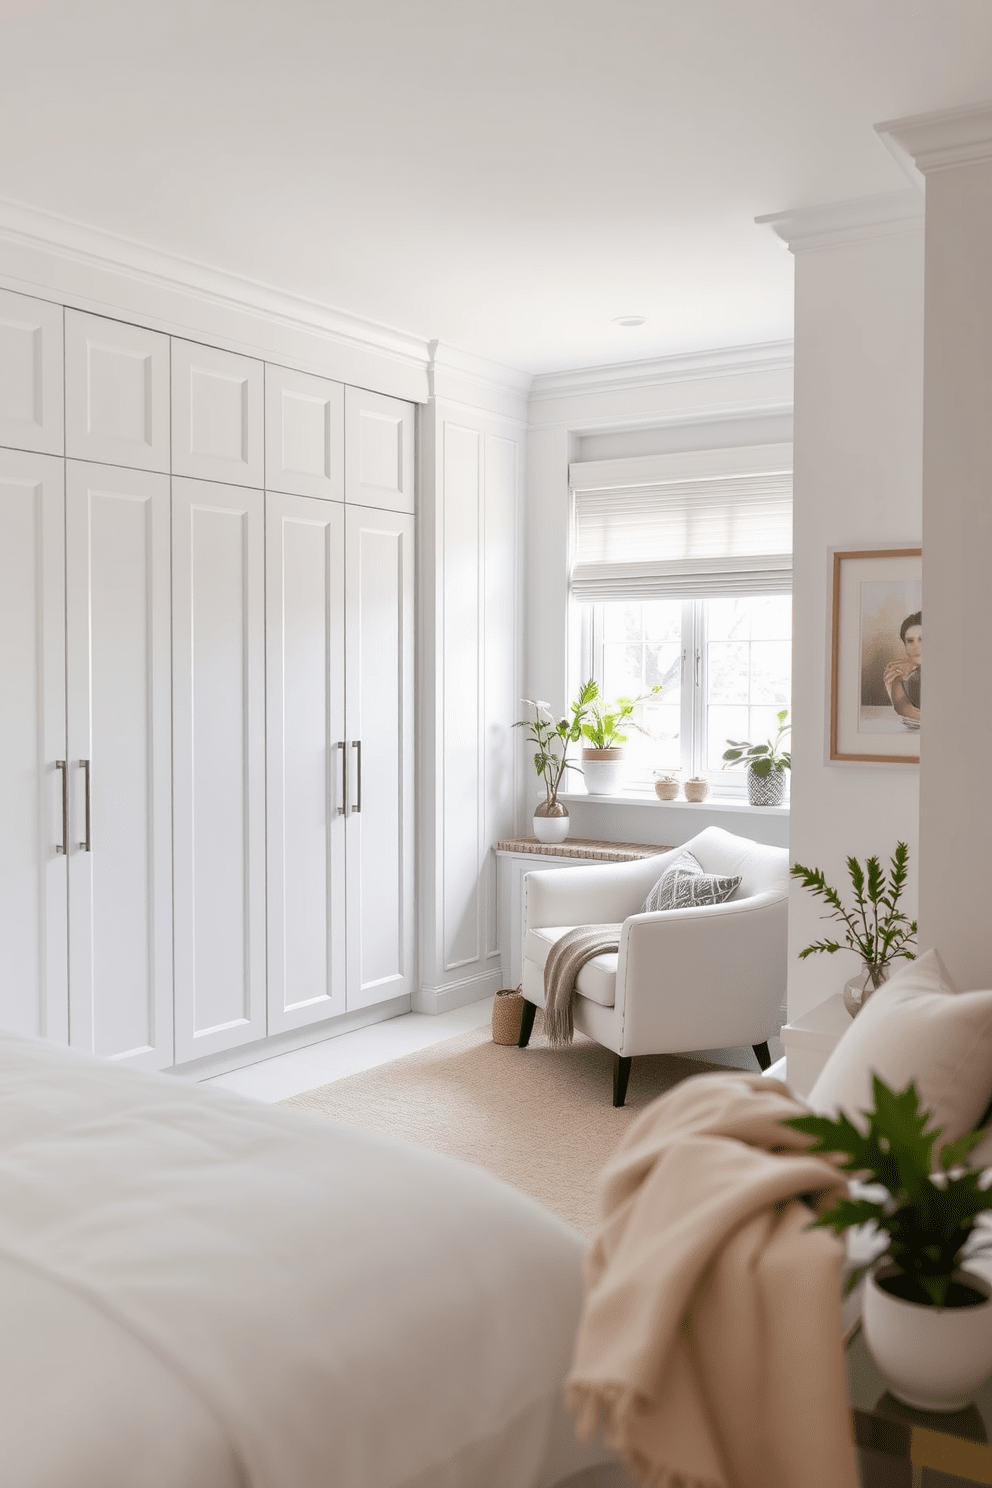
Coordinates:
(766, 765)
(603, 753)
(876, 929)
(553, 738)
(927, 1320)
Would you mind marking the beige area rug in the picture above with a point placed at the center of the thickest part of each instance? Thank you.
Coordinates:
(542, 1119)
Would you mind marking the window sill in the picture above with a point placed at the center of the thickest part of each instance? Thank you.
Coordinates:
(712, 803)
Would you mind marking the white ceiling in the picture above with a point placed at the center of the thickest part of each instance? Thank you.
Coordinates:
(506, 176)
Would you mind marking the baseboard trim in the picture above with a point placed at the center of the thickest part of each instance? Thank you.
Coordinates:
(452, 995)
(285, 1043)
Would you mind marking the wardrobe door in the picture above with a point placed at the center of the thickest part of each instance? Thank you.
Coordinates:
(30, 373)
(305, 826)
(379, 450)
(119, 694)
(116, 392)
(33, 978)
(379, 629)
(304, 434)
(218, 421)
(218, 765)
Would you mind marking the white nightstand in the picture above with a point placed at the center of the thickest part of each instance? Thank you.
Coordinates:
(810, 1040)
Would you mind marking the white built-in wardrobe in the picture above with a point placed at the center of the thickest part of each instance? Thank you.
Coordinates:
(206, 675)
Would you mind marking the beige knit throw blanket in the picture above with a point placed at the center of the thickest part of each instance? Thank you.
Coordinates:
(710, 1342)
(566, 959)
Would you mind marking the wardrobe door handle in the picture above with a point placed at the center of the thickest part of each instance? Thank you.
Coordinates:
(357, 744)
(60, 847)
(84, 765)
(343, 749)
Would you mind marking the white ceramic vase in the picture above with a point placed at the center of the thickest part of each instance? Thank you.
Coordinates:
(602, 770)
(551, 821)
(932, 1358)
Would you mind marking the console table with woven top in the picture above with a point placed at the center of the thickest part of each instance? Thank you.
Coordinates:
(517, 856)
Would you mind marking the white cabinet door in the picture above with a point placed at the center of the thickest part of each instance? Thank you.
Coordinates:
(218, 765)
(304, 434)
(30, 373)
(379, 450)
(379, 628)
(33, 986)
(305, 828)
(218, 423)
(116, 392)
(120, 770)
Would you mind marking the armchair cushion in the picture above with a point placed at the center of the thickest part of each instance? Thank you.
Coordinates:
(598, 978)
(683, 885)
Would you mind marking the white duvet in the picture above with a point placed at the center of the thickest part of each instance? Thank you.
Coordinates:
(201, 1292)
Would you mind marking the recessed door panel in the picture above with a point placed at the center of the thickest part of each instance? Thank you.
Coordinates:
(304, 760)
(218, 771)
(218, 429)
(304, 434)
(379, 712)
(33, 981)
(117, 392)
(30, 374)
(120, 696)
(379, 451)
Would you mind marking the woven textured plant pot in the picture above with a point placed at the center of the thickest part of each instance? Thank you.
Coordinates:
(508, 1009)
(696, 790)
(666, 790)
(765, 790)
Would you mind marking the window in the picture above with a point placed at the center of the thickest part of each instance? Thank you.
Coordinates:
(687, 583)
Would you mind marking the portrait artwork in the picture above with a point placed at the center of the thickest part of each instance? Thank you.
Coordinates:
(877, 655)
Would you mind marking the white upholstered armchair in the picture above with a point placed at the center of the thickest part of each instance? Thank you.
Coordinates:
(708, 977)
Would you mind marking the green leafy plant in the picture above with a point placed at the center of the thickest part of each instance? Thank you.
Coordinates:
(762, 758)
(554, 737)
(928, 1216)
(876, 928)
(605, 719)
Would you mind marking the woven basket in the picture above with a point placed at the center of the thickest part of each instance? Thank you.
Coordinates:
(696, 790)
(508, 1009)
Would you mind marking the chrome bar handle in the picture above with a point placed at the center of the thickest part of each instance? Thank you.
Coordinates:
(342, 809)
(85, 766)
(60, 847)
(357, 744)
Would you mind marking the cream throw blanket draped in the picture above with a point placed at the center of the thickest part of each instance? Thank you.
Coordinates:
(566, 959)
(711, 1335)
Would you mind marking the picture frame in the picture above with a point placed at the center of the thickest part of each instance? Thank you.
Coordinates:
(875, 655)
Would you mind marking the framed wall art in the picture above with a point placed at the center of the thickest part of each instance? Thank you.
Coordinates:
(876, 655)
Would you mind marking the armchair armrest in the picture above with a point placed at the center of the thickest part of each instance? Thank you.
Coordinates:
(587, 896)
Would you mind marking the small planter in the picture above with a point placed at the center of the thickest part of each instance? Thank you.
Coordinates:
(666, 790)
(508, 1008)
(551, 821)
(932, 1358)
(696, 790)
(603, 771)
(765, 790)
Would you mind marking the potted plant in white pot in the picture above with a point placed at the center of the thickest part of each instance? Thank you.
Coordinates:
(603, 752)
(876, 929)
(927, 1319)
(553, 738)
(766, 765)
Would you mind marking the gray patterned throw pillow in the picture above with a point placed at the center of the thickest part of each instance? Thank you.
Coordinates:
(684, 885)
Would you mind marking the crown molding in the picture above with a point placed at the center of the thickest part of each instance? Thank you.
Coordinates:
(93, 248)
(923, 143)
(456, 376)
(837, 224)
(772, 356)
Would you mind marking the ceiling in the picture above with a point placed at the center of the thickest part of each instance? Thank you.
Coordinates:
(507, 176)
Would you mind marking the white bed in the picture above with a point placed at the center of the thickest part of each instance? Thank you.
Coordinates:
(201, 1292)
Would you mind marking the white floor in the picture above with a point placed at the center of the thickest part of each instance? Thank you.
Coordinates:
(284, 1075)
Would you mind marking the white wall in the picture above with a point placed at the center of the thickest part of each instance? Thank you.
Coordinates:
(857, 484)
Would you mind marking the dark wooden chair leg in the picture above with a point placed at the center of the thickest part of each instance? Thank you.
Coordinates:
(762, 1055)
(621, 1074)
(526, 1024)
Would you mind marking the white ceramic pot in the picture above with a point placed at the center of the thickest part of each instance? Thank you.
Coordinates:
(551, 822)
(933, 1358)
(603, 771)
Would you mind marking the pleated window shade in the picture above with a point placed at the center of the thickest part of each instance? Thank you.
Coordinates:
(720, 536)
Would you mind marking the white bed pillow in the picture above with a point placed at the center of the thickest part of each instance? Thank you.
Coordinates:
(917, 1026)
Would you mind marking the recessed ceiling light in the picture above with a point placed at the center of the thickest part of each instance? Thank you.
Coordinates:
(630, 320)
